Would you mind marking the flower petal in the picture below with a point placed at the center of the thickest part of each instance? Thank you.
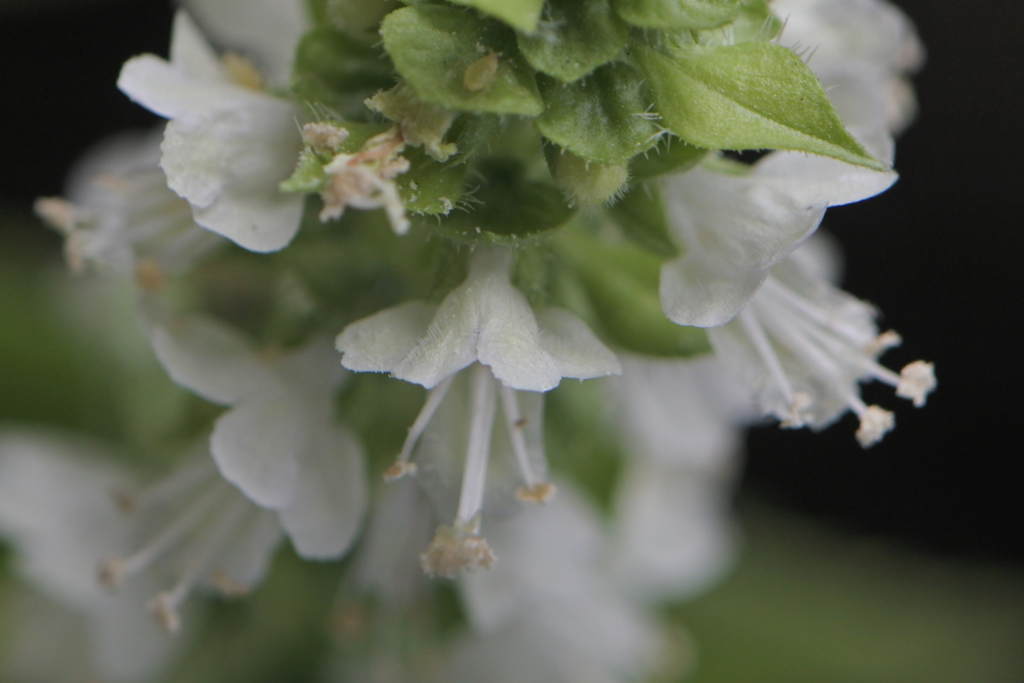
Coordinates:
(229, 165)
(382, 341)
(330, 497)
(208, 357)
(576, 350)
(257, 446)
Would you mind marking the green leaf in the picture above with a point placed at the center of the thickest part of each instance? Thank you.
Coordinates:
(749, 96)
(667, 14)
(574, 39)
(430, 187)
(333, 71)
(507, 204)
(433, 47)
(621, 280)
(600, 117)
(670, 155)
(520, 14)
(641, 215)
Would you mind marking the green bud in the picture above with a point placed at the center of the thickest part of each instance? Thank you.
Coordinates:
(585, 182)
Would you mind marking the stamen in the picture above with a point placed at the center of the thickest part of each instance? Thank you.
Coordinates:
(242, 72)
(402, 465)
(324, 137)
(114, 571)
(889, 339)
(165, 605)
(535, 491)
(164, 490)
(764, 349)
(917, 380)
(226, 585)
(875, 422)
(149, 274)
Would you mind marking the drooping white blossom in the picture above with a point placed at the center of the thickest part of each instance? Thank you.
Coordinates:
(802, 345)
(120, 215)
(229, 143)
(487, 326)
(278, 442)
(681, 424)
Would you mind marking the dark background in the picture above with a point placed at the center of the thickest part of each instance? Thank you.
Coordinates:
(940, 253)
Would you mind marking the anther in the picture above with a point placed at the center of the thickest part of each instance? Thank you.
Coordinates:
(538, 493)
(324, 137)
(875, 423)
(111, 573)
(399, 470)
(917, 380)
(149, 274)
(164, 609)
(226, 585)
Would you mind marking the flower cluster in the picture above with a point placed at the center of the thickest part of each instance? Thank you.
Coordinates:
(477, 200)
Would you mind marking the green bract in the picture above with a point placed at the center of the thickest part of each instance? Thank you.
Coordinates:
(506, 204)
(428, 186)
(331, 70)
(665, 14)
(600, 117)
(521, 14)
(748, 96)
(641, 215)
(438, 50)
(670, 155)
(621, 281)
(574, 39)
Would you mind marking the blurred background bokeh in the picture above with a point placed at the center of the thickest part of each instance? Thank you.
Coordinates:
(903, 563)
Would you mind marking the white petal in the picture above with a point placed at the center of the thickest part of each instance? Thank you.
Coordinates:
(208, 357)
(257, 446)
(698, 290)
(165, 90)
(267, 31)
(191, 53)
(382, 341)
(577, 352)
(811, 180)
(128, 645)
(485, 319)
(229, 164)
(247, 558)
(330, 497)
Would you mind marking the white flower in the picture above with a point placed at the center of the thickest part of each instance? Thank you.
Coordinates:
(278, 443)
(547, 612)
(861, 51)
(681, 424)
(56, 508)
(121, 215)
(228, 144)
(736, 226)
(483, 322)
(801, 346)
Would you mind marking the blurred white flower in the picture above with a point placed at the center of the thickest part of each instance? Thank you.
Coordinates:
(57, 507)
(862, 51)
(120, 215)
(548, 611)
(229, 142)
(279, 442)
(485, 321)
